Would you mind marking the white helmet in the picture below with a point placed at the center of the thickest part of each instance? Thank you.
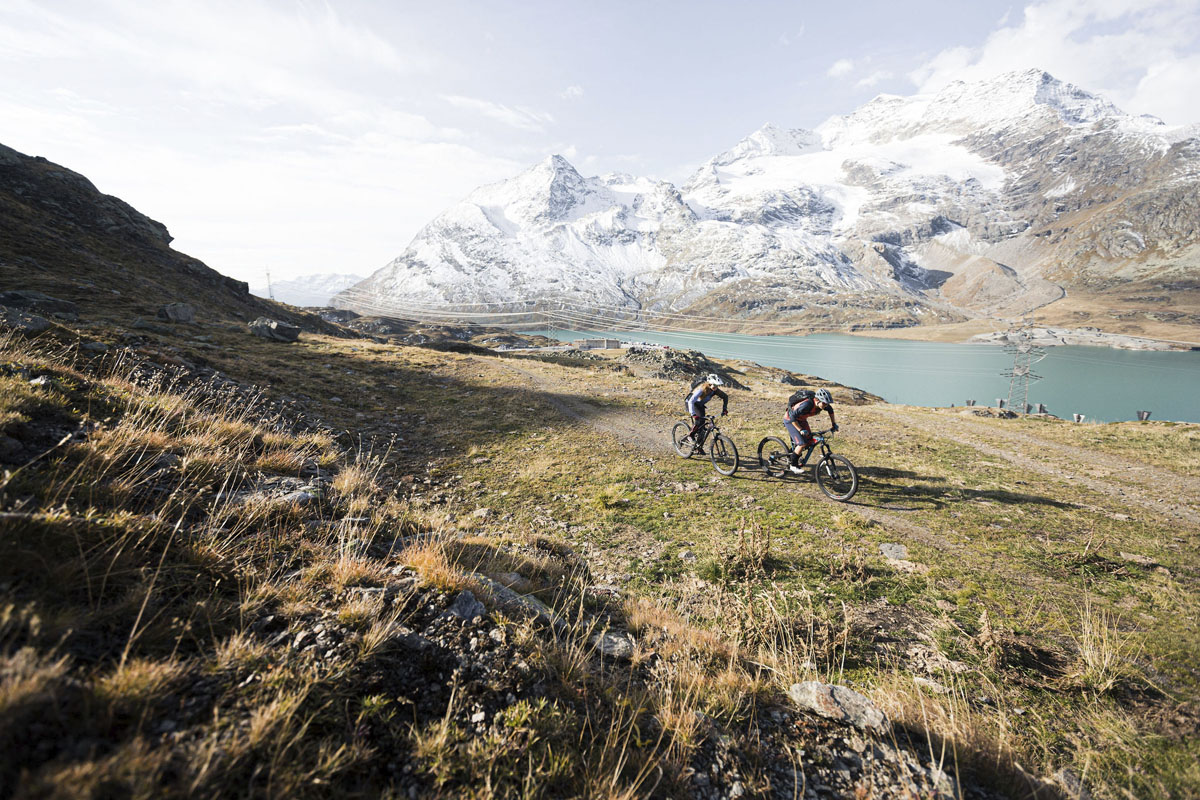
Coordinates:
(714, 379)
(824, 396)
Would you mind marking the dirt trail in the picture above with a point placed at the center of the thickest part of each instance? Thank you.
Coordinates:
(632, 427)
(1159, 491)
(645, 430)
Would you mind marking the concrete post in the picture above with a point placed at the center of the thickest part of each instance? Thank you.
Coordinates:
(1078, 417)
(1143, 416)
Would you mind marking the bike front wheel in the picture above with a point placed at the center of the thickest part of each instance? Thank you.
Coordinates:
(837, 478)
(680, 440)
(724, 455)
(773, 456)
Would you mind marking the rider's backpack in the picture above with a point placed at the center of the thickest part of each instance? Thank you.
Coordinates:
(800, 395)
(691, 389)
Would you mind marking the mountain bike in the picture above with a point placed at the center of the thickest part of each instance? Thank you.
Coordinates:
(836, 476)
(721, 448)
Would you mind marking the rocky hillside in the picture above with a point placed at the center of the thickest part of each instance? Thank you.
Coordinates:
(74, 248)
(987, 199)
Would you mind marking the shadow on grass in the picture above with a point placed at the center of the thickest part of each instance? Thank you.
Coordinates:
(922, 492)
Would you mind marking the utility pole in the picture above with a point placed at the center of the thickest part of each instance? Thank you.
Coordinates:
(270, 291)
(1025, 355)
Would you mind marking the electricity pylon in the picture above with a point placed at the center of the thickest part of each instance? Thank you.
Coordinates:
(1025, 355)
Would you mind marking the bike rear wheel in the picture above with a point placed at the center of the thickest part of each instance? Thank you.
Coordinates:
(680, 440)
(837, 478)
(724, 454)
(773, 456)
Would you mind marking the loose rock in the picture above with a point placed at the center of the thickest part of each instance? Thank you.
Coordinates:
(840, 704)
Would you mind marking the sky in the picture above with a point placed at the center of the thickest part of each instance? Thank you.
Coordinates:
(310, 137)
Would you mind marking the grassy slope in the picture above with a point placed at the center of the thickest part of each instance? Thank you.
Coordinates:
(1096, 649)
(1038, 640)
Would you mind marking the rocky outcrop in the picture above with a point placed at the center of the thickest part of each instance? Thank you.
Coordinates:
(274, 329)
(22, 321)
(38, 301)
(683, 365)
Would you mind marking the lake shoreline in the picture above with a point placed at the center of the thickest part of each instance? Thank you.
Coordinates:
(1105, 384)
(1043, 336)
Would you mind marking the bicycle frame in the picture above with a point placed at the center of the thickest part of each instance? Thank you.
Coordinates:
(707, 427)
(818, 439)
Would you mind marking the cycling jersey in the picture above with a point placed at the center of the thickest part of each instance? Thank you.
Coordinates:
(700, 396)
(795, 419)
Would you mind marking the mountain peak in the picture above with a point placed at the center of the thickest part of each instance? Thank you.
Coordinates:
(1012, 96)
(771, 140)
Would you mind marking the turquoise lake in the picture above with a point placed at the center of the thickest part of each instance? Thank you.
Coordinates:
(1103, 384)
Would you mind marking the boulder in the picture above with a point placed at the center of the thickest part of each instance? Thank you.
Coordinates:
(840, 704)
(274, 329)
(177, 312)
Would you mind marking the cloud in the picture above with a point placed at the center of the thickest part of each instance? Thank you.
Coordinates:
(571, 92)
(519, 117)
(219, 54)
(873, 79)
(788, 39)
(1141, 54)
(840, 68)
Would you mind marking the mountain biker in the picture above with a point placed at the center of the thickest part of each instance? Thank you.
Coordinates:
(696, 402)
(795, 421)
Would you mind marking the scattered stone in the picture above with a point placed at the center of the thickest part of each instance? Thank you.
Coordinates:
(466, 607)
(274, 329)
(299, 497)
(840, 704)
(931, 685)
(1070, 784)
(614, 644)
(1144, 561)
(143, 325)
(177, 312)
(894, 551)
(481, 513)
(688, 556)
(94, 347)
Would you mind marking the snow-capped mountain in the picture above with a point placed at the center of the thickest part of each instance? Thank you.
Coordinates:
(308, 290)
(985, 198)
